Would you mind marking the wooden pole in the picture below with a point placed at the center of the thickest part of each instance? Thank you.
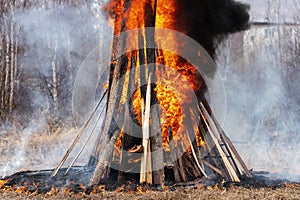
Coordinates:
(174, 156)
(110, 128)
(156, 135)
(103, 161)
(78, 137)
(181, 164)
(86, 142)
(207, 148)
(146, 166)
(127, 138)
(236, 158)
(190, 131)
(231, 173)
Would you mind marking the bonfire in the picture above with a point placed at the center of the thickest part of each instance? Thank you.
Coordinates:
(179, 138)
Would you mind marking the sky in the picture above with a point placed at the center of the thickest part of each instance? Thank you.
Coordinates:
(274, 11)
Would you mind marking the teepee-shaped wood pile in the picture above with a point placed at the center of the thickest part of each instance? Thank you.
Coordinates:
(202, 149)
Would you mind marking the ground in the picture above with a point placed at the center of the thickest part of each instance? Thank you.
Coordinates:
(291, 191)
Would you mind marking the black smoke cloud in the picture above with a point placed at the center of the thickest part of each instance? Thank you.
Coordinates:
(206, 21)
(210, 21)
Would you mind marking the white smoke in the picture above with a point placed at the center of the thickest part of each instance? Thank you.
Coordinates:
(263, 101)
(73, 32)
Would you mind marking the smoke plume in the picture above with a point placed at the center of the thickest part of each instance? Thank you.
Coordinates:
(263, 104)
(209, 21)
(206, 21)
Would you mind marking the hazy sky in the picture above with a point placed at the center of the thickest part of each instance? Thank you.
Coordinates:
(274, 10)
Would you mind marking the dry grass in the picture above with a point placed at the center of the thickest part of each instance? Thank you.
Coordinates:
(288, 192)
(32, 151)
(45, 148)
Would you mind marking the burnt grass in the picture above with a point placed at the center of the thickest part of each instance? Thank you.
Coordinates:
(40, 184)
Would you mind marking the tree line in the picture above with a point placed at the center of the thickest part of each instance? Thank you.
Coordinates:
(41, 46)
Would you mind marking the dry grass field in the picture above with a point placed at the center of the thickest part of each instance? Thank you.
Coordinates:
(43, 144)
(291, 191)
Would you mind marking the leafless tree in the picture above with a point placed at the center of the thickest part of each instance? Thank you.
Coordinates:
(46, 68)
(9, 33)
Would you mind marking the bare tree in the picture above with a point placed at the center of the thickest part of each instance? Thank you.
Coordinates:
(9, 32)
(47, 67)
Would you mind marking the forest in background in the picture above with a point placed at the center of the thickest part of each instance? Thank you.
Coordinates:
(260, 69)
(42, 45)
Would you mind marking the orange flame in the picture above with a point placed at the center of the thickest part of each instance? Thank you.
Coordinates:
(3, 182)
(172, 92)
(53, 191)
(22, 189)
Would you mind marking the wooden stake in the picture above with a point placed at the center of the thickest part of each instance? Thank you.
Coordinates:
(208, 146)
(191, 166)
(103, 161)
(78, 136)
(146, 166)
(230, 171)
(181, 165)
(190, 130)
(238, 162)
(126, 141)
(156, 145)
(173, 156)
(112, 132)
(195, 157)
(85, 143)
(212, 167)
